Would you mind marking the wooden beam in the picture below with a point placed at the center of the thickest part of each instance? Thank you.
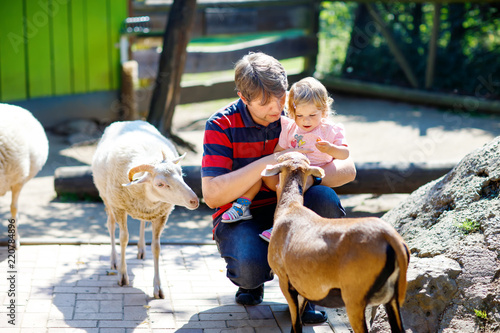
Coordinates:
(431, 56)
(393, 46)
(378, 178)
(454, 102)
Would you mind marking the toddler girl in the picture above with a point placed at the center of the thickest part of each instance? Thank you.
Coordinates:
(308, 127)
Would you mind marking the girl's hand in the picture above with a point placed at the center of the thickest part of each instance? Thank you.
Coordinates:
(323, 146)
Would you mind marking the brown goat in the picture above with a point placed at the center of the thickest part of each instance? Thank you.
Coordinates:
(351, 262)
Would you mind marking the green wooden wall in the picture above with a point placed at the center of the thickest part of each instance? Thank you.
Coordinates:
(59, 47)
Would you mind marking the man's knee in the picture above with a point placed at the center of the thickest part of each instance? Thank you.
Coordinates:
(249, 273)
(324, 201)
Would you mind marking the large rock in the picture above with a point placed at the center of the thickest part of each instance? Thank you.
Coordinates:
(452, 226)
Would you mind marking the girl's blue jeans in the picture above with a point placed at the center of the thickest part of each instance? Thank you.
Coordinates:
(245, 252)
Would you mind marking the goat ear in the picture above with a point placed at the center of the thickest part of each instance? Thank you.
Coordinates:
(178, 159)
(139, 180)
(271, 170)
(317, 172)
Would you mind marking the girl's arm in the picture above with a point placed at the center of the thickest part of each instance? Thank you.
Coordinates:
(336, 151)
(278, 148)
(220, 190)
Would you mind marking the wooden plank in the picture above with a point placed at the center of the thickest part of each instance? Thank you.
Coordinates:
(38, 22)
(219, 20)
(455, 102)
(61, 48)
(12, 52)
(224, 57)
(78, 40)
(196, 92)
(118, 13)
(98, 42)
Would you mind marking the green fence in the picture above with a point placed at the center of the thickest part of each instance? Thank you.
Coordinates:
(59, 47)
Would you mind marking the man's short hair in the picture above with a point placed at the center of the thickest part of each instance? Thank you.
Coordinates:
(258, 74)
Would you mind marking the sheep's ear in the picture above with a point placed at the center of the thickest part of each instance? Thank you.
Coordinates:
(317, 172)
(178, 159)
(139, 180)
(271, 170)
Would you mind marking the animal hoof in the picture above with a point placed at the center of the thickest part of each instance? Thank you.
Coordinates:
(123, 280)
(141, 255)
(159, 293)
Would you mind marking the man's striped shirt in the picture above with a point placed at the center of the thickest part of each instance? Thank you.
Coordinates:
(233, 140)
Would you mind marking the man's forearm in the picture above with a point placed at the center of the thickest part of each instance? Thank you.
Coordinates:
(220, 190)
(339, 172)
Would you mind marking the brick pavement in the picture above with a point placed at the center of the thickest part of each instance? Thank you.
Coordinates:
(70, 288)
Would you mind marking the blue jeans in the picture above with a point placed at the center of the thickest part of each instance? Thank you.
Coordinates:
(245, 252)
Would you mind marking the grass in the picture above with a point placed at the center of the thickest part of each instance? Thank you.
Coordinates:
(481, 314)
(469, 226)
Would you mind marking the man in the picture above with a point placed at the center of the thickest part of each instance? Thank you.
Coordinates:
(239, 143)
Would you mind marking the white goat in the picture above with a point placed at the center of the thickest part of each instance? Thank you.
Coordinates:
(23, 152)
(333, 262)
(137, 173)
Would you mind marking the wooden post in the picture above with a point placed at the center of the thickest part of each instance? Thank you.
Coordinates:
(310, 61)
(431, 57)
(166, 92)
(130, 84)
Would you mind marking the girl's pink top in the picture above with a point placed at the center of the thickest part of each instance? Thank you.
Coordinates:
(292, 136)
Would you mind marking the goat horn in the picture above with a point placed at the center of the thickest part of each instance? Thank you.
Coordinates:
(140, 168)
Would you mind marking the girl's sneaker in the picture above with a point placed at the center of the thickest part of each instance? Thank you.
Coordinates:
(266, 235)
(239, 211)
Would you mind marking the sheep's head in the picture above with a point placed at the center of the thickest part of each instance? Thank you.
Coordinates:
(163, 182)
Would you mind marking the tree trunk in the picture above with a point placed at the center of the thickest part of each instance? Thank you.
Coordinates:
(166, 93)
(361, 36)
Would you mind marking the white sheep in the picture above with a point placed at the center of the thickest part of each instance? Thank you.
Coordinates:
(137, 173)
(23, 152)
(351, 262)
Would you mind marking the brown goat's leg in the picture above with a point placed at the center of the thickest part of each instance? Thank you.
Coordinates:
(394, 314)
(292, 298)
(356, 313)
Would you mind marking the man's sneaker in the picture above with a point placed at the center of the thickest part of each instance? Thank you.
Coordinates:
(250, 296)
(266, 234)
(237, 212)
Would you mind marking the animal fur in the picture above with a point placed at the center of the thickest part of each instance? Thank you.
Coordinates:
(137, 173)
(351, 262)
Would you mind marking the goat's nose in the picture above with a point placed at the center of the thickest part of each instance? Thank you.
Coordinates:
(194, 203)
